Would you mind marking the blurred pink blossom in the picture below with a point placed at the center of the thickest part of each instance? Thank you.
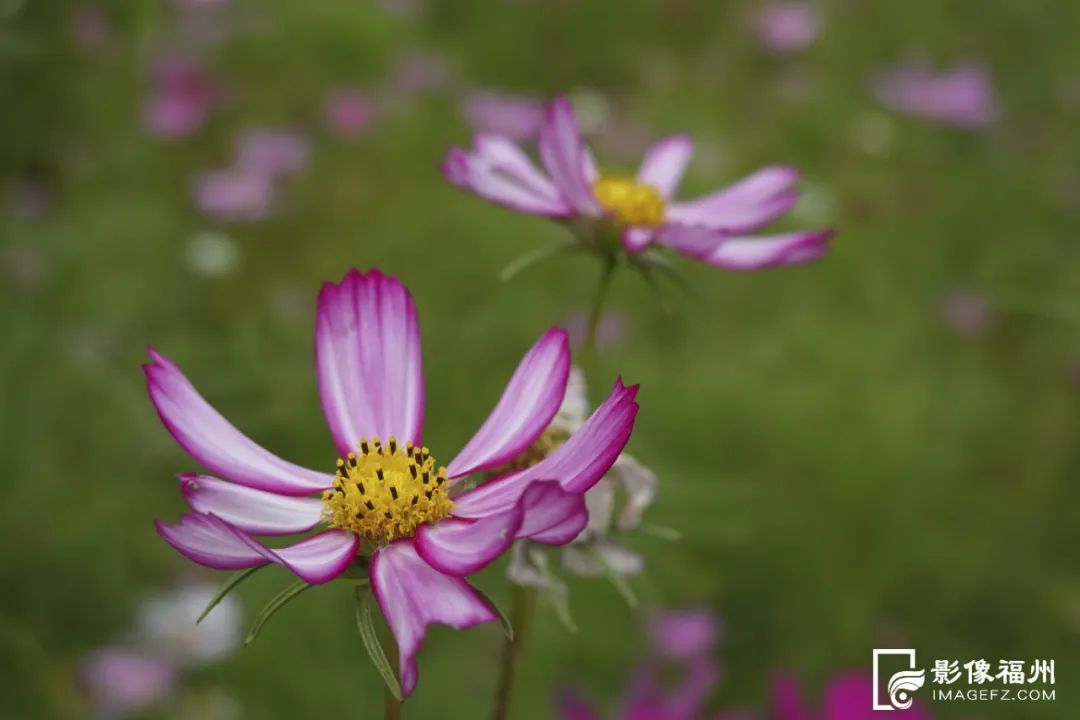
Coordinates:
(517, 117)
(29, 198)
(179, 101)
(684, 635)
(787, 26)
(960, 97)
(123, 682)
(417, 73)
(610, 331)
(235, 194)
(271, 152)
(848, 695)
(89, 26)
(349, 113)
(966, 312)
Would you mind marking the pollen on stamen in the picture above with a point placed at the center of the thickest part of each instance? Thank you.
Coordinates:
(630, 202)
(385, 492)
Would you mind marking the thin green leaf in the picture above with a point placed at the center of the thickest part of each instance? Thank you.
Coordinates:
(507, 626)
(371, 643)
(615, 578)
(533, 257)
(280, 600)
(659, 531)
(230, 584)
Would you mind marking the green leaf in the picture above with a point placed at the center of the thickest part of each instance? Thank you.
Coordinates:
(615, 578)
(507, 626)
(230, 584)
(280, 600)
(371, 643)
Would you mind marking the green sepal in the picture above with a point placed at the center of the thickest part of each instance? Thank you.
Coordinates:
(279, 601)
(507, 626)
(374, 648)
(533, 257)
(235, 579)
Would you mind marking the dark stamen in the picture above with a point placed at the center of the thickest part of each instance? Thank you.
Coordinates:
(370, 505)
(393, 492)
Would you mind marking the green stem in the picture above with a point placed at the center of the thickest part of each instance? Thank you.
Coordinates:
(392, 707)
(597, 309)
(522, 611)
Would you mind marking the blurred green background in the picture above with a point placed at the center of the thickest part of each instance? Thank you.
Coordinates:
(849, 469)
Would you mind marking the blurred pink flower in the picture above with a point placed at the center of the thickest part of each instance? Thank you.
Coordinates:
(684, 635)
(123, 683)
(235, 194)
(610, 332)
(966, 312)
(960, 97)
(647, 698)
(179, 101)
(349, 113)
(787, 26)
(417, 73)
(637, 212)
(517, 117)
(89, 26)
(29, 198)
(272, 153)
(848, 696)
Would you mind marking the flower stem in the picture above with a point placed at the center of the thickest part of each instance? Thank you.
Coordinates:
(596, 311)
(391, 705)
(522, 610)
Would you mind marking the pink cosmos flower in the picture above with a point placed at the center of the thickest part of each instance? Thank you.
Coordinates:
(349, 113)
(235, 194)
(848, 696)
(516, 117)
(961, 97)
(715, 229)
(271, 152)
(787, 26)
(646, 697)
(388, 510)
(124, 682)
(180, 100)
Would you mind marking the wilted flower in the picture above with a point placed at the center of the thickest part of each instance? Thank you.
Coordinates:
(628, 486)
(847, 695)
(179, 101)
(516, 117)
(787, 26)
(647, 698)
(390, 513)
(961, 96)
(349, 113)
(166, 625)
(634, 213)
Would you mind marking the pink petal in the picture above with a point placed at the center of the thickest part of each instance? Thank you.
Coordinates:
(212, 542)
(754, 253)
(849, 696)
(577, 465)
(550, 514)
(743, 206)
(564, 155)
(574, 707)
(413, 595)
(665, 164)
(529, 402)
(367, 353)
(251, 510)
(788, 703)
(462, 547)
(502, 155)
(214, 442)
(501, 185)
(636, 239)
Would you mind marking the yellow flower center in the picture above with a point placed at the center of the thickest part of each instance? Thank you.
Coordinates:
(544, 445)
(630, 202)
(386, 491)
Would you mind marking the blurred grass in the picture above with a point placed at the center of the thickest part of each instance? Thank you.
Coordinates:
(847, 472)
